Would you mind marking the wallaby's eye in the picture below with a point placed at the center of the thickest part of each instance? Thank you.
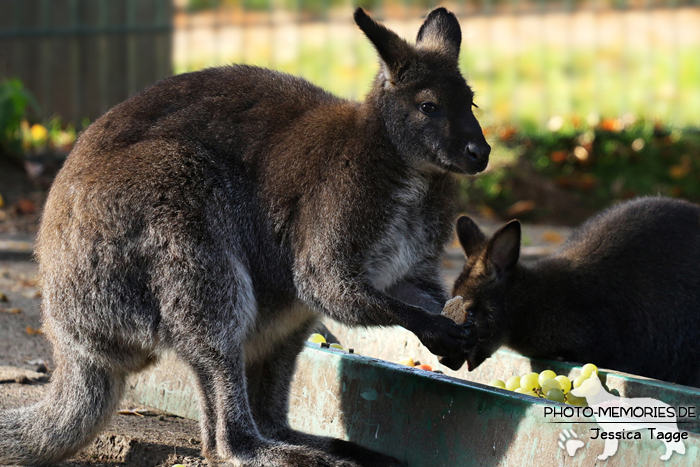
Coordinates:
(428, 108)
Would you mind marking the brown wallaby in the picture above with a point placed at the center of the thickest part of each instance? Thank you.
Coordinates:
(622, 292)
(220, 213)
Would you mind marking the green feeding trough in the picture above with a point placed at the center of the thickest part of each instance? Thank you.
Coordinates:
(430, 419)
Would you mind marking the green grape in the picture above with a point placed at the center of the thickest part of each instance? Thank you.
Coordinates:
(588, 369)
(529, 382)
(555, 394)
(532, 394)
(551, 384)
(577, 401)
(545, 375)
(519, 390)
(337, 346)
(497, 383)
(579, 380)
(564, 382)
(316, 338)
(513, 383)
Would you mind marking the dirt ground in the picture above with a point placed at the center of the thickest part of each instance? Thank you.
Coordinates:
(141, 438)
(136, 436)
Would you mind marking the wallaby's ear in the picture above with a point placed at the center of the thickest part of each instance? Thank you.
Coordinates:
(440, 32)
(503, 250)
(393, 51)
(470, 236)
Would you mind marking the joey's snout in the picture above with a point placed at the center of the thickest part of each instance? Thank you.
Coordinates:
(477, 153)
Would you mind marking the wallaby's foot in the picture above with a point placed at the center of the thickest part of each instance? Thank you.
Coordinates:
(285, 455)
(363, 456)
(338, 448)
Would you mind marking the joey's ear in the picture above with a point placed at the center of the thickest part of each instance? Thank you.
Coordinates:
(393, 51)
(440, 32)
(470, 236)
(503, 250)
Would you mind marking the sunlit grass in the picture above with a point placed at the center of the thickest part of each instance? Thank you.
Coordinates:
(524, 88)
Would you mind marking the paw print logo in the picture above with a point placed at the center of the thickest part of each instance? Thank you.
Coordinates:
(570, 442)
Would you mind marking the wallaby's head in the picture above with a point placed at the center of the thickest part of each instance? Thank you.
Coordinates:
(484, 279)
(421, 97)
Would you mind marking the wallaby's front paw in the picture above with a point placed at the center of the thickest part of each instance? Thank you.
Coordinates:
(454, 362)
(444, 337)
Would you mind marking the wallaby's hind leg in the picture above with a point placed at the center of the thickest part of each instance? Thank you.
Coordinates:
(207, 413)
(268, 389)
(220, 369)
(207, 325)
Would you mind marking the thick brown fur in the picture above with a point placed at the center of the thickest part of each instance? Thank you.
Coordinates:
(623, 292)
(219, 213)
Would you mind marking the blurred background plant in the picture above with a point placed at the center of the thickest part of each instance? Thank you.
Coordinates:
(585, 102)
(566, 174)
(21, 139)
(55, 137)
(15, 104)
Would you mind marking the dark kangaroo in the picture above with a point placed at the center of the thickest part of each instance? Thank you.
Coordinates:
(220, 213)
(623, 291)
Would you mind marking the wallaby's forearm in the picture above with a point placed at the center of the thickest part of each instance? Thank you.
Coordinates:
(425, 294)
(360, 304)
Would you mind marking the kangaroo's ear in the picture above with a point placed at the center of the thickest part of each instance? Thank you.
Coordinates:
(440, 32)
(470, 236)
(503, 250)
(393, 51)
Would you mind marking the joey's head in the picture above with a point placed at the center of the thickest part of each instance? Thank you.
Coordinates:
(421, 97)
(484, 281)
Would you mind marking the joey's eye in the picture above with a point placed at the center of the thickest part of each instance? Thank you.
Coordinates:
(428, 108)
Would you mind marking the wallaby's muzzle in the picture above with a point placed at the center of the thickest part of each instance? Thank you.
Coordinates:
(477, 153)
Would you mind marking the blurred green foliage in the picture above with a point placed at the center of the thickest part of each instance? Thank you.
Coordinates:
(15, 104)
(600, 164)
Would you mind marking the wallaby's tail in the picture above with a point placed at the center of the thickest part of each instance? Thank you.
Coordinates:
(82, 396)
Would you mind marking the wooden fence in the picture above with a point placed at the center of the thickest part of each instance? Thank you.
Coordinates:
(81, 57)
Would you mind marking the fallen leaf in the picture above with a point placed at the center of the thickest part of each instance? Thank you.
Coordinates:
(488, 212)
(3, 297)
(12, 311)
(520, 208)
(32, 332)
(26, 206)
(551, 236)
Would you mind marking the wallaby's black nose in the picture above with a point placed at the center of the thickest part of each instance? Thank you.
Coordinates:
(478, 154)
(478, 150)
